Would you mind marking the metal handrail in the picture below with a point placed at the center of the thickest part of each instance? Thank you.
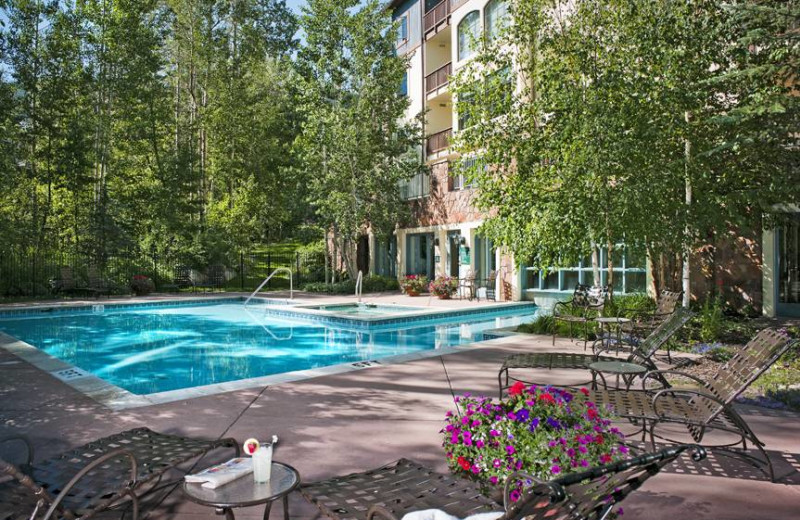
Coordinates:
(359, 285)
(268, 278)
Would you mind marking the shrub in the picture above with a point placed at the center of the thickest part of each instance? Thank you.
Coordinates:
(713, 351)
(369, 284)
(141, 285)
(711, 319)
(627, 305)
(543, 324)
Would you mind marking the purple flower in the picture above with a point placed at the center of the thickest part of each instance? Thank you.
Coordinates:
(555, 469)
(623, 449)
(494, 433)
(523, 415)
(476, 469)
(476, 422)
(479, 444)
(534, 423)
(512, 416)
(553, 423)
(493, 480)
(510, 450)
(496, 463)
(552, 444)
(583, 449)
(449, 428)
(514, 495)
(570, 453)
(584, 463)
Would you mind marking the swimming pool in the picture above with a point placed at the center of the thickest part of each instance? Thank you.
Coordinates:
(169, 347)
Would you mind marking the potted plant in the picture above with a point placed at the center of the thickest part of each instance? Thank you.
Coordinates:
(443, 287)
(543, 431)
(414, 284)
(142, 285)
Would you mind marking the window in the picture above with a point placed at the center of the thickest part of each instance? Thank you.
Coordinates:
(468, 32)
(463, 170)
(629, 273)
(501, 84)
(464, 108)
(404, 85)
(496, 18)
(402, 30)
(417, 187)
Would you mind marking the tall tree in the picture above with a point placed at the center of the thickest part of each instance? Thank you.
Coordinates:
(354, 145)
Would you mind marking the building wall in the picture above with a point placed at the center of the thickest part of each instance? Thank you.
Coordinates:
(444, 205)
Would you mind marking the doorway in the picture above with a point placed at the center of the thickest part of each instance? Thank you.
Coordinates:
(788, 303)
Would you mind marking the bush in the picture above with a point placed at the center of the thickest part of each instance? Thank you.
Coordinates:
(628, 305)
(711, 320)
(369, 284)
(713, 351)
(443, 286)
(543, 324)
(414, 283)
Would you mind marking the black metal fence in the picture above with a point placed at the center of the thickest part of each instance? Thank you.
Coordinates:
(25, 274)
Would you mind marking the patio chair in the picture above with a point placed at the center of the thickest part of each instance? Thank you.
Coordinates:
(182, 278)
(644, 322)
(642, 354)
(214, 279)
(489, 285)
(97, 283)
(65, 283)
(467, 286)
(108, 473)
(586, 304)
(709, 407)
(405, 486)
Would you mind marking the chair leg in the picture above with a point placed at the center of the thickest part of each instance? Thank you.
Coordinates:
(500, 381)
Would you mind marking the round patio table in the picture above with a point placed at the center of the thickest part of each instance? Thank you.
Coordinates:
(622, 369)
(245, 492)
(607, 324)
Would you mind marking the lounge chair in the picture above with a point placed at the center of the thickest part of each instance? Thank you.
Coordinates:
(644, 322)
(65, 283)
(708, 408)
(642, 354)
(182, 278)
(214, 279)
(97, 283)
(586, 304)
(111, 472)
(405, 486)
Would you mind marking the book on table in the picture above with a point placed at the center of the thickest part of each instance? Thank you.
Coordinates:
(223, 473)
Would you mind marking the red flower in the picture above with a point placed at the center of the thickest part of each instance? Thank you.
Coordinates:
(584, 391)
(516, 388)
(547, 398)
(464, 464)
(592, 413)
(599, 439)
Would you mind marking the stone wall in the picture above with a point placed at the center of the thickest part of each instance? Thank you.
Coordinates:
(444, 205)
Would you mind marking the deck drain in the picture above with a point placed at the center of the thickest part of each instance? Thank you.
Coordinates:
(70, 374)
(365, 364)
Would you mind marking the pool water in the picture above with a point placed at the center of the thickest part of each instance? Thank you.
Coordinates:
(367, 309)
(156, 349)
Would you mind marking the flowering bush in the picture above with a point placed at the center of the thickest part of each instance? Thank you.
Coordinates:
(540, 430)
(141, 284)
(414, 283)
(443, 286)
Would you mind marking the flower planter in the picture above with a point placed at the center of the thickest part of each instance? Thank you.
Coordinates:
(444, 296)
(412, 293)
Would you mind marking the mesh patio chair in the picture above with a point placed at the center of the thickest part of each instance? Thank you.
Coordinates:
(586, 304)
(709, 407)
(644, 322)
(182, 278)
(98, 283)
(215, 278)
(108, 473)
(66, 283)
(467, 285)
(642, 354)
(404, 486)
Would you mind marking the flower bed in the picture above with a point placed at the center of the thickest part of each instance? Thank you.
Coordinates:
(543, 431)
(443, 286)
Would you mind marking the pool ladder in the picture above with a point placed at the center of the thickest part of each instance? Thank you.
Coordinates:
(268, 278)
(359, 285)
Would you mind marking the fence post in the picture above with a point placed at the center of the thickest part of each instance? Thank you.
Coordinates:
(241, 269)
(297, 263)
(269, 269)
(155, 269)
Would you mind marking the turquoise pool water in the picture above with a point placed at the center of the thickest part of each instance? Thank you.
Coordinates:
(157, 349)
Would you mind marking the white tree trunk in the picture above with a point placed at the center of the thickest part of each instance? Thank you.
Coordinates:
(687, 251)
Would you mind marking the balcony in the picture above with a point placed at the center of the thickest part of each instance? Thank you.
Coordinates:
(438, 78)
(436, 18)
(438, 142)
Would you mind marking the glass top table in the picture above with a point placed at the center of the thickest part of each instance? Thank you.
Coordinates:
(624, 369)
(245, 492)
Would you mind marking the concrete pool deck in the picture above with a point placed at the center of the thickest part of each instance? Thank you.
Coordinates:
(341, 423)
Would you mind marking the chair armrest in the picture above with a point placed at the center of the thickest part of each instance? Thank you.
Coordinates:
(683, 391)
(23, 439)
(549, 488)
(87, 469)
(661, 373)
(377, 511)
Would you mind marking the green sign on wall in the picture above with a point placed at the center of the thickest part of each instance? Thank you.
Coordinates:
(463, 253)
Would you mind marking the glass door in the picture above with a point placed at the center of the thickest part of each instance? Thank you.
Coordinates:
(419, 254)
(789, 269)
(453, 243)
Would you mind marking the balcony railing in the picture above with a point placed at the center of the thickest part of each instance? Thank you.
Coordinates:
(438, 78)
(439, 141)
(436, 16)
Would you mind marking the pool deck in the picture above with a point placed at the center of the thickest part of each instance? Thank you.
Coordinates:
(353, 421)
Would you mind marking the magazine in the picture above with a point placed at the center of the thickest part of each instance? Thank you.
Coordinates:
(221, 474)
